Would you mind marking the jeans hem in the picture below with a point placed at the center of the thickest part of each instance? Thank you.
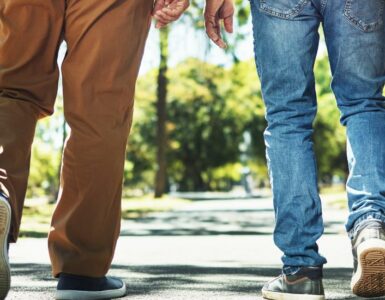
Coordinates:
(368, 217)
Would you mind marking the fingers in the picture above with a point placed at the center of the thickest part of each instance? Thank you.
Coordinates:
(213, 31)
(228, 23)
(217, 10)
(159, 4)
(226, 13)
(163, 18)
(159, 25)
(170, 12)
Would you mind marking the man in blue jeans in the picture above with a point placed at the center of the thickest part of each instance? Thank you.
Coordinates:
(286, 42)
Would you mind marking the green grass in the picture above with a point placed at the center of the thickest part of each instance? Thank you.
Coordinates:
(333, 189)
(335, 196)
(37, 212)
(137, 207)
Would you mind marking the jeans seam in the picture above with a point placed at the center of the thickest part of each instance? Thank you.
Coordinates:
(323, 6)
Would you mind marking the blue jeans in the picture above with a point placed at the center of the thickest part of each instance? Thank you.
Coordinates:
(286, 42)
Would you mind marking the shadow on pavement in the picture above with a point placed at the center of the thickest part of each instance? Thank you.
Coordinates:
(176, 280)
(202, 223)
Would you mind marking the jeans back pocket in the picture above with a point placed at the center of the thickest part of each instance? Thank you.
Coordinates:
(285, 9)
(367, 15)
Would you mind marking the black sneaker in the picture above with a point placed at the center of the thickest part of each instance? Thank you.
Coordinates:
(88, 288)
(305, 284)
(369, 260)
(5, 223)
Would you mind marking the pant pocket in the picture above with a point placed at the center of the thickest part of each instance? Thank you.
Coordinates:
(367, 15)
(285, 9)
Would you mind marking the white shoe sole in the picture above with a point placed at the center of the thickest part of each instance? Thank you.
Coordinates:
(286, 296)
(86, 295)
(369, 279)
(5, 271)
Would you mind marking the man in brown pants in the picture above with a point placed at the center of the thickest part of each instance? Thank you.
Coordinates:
(105, 41)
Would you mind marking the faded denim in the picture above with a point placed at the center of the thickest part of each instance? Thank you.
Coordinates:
(286, 42)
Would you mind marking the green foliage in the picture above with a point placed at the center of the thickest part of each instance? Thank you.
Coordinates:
(43, 179)
(46, 155)
(209, 110)
(205, 125)
(139, 171)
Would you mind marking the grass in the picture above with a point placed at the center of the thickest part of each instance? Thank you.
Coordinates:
(37, 212)
(335, 196)
(137, 207)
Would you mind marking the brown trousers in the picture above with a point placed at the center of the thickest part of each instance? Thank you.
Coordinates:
(105, 41)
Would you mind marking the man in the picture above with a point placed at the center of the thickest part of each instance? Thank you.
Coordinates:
(286, 43)
(105, 41)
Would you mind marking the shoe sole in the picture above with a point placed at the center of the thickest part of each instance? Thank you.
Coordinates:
(286, 296)
(5, 271)
(369, 279)
(87, 295)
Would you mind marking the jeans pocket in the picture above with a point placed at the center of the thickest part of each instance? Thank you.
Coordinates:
(367, 15)
(285, 9)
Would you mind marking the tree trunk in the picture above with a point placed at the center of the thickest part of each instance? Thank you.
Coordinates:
(161, 134)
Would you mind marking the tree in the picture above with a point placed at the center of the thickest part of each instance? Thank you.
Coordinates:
(208, 122)
(161, 136)
(194, 17)
(209, 108)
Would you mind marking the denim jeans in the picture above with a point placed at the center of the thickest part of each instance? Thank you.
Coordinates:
(286, 42)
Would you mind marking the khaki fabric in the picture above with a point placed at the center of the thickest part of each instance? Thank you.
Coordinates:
(105, 42)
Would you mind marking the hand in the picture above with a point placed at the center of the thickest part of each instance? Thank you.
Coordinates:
(167, 11)
(217, 10)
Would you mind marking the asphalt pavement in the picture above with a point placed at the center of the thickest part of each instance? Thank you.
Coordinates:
(210, 249)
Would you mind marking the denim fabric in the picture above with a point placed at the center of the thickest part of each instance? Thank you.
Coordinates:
(286, 42)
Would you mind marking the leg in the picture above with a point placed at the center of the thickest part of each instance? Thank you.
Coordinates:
(355, 35)
(286, 42)
(29, 39)
(105, 45)
(357, 56)
(30, 36)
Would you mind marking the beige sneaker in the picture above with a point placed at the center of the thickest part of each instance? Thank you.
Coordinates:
(369, 260)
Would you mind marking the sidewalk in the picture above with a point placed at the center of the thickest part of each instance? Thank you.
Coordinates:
(206, 250)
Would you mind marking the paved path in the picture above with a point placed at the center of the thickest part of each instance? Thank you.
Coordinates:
(206, 250)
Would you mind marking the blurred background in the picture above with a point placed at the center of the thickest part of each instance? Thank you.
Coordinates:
(198, 126)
